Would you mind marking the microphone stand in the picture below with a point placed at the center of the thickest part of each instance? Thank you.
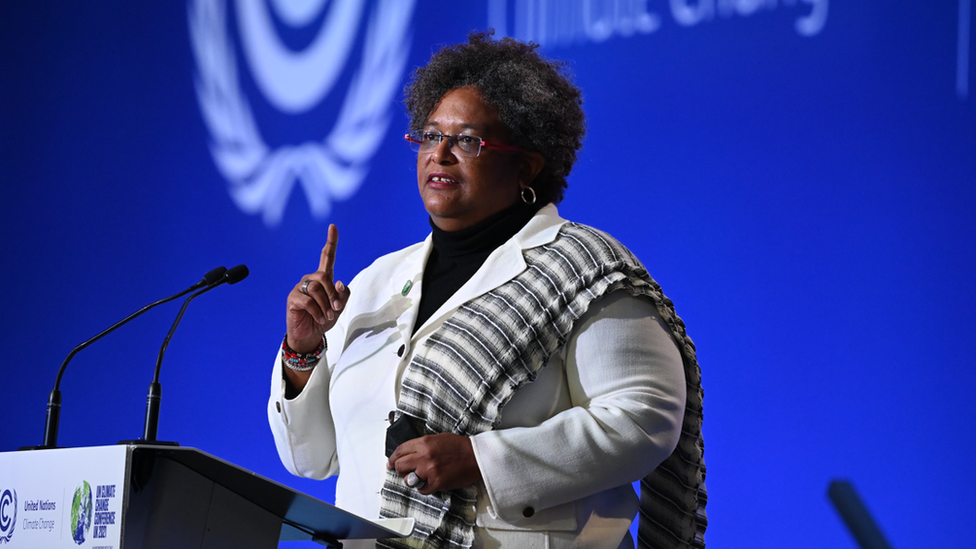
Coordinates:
(232, 276)
(53, 417)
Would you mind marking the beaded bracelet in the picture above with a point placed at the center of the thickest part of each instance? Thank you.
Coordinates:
(301, 362)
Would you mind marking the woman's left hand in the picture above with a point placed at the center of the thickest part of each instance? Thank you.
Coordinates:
(443, 461)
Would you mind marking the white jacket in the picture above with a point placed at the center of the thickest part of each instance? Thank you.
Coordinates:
(603, 412)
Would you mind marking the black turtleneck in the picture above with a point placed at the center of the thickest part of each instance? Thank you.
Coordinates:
(457, 255)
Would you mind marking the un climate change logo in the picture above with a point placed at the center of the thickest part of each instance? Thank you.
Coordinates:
(8, 515)
(81, 512)
(261, 178)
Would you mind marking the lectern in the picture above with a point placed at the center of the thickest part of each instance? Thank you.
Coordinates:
(146, 496)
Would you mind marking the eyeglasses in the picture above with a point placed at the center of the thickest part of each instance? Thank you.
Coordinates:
(467, 145)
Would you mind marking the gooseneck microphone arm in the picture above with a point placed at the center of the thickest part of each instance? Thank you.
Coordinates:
(53, 417)
(231, 276)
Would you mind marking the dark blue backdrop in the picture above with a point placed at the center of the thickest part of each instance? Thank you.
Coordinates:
(798, 176)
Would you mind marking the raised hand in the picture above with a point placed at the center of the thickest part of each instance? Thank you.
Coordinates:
(316, 302)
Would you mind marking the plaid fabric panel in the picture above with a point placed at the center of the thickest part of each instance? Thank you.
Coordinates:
(673, 496)
(473, 364)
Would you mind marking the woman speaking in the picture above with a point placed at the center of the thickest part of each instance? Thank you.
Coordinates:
(504, 381)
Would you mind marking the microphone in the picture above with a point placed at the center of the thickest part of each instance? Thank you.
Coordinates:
(53, 417)
(231, 276)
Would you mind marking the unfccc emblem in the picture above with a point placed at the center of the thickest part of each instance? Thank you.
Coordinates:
(8, 514)
(260, 177)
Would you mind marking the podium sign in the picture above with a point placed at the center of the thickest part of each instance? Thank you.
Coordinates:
(148, 497)
(62, 498)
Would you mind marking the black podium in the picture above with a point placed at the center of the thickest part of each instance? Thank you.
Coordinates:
(147, 496)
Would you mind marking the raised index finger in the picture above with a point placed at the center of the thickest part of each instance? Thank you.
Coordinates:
(327, 261)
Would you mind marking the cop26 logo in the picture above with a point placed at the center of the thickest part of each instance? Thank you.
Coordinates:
(260, 177)
(81, 512)
(8, 515)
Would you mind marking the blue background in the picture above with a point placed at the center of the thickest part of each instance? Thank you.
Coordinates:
(806, 201)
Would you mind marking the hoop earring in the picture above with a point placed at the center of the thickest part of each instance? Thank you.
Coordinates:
(531, 191)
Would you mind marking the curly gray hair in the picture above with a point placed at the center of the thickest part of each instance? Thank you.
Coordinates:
(533, 96)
